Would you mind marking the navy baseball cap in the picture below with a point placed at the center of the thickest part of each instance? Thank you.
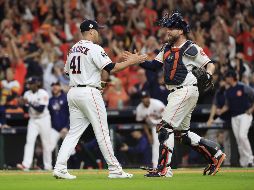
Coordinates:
(231, 73)
(86, 25)
(145, 94)
(55, 83)
(33, 80)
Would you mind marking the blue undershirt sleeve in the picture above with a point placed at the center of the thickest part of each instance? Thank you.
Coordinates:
(153, 65)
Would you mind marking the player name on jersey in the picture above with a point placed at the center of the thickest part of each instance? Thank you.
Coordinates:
(79, 49)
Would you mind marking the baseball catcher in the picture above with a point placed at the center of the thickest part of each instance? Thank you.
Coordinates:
(187, 73)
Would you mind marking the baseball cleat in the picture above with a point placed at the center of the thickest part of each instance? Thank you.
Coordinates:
(22, 167)
(148, 169)
(63, 174)
(216, 167)
(166, 172)
(207, 168)
(120, 175)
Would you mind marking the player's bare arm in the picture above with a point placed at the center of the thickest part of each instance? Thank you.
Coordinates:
(211, 116)
(222, 110)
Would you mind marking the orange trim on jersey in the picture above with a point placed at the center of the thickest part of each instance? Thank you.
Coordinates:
(173, 71)
(175, 49)
(165, 56)
(104, 135)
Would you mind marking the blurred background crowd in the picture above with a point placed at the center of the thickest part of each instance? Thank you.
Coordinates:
(35, 36)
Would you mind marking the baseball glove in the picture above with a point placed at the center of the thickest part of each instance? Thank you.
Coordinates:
(204, 80)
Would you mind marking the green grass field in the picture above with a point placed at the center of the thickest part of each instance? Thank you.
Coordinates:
(186, 179)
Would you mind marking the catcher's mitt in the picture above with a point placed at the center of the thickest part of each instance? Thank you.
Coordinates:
(204, 80)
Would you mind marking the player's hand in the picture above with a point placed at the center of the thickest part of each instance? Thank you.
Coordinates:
(249, 111)
(135, 57)
(63, 132)
(5, 126)
(104, 85)
(150, 139)
(125, 55)
(22, 101)
(132, 90)
(124, 148)
(209, 122)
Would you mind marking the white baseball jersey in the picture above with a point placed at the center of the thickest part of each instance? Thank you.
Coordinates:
(200, 60)
(152, 114)
(85, 62)
(40, 97)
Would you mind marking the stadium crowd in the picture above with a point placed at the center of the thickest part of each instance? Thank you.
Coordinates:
(35, 37)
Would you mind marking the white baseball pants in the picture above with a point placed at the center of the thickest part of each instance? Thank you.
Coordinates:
(180, 105)
(42, 127)
(155, 147)
(55, 137)
(241, 125)
(86, 106)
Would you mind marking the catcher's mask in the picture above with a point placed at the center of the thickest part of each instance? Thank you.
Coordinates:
(174, 21)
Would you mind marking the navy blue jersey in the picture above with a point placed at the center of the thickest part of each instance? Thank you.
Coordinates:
(239, 98)
(220, 101)
(59, 111)
(142, 148)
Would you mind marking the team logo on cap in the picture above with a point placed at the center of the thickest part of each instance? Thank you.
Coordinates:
(90, 26)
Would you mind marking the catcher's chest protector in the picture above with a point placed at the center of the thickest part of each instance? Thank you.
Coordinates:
(175, 71)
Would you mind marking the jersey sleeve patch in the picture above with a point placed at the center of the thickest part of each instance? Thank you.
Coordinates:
(201, 59)
(100, 57)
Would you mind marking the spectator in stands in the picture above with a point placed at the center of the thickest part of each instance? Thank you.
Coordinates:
(116, 96)
(5, 61)
(31, 32)
(8, 95)
(245, 37)
(142, 85)
(59, 112)
(53, 72)
(240, 103)
(141, 149)
(158, 89)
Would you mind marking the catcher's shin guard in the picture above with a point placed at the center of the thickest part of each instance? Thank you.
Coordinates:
(165, 155)
(205, 147)
(209, 149)
(163, 167)
(166, 139)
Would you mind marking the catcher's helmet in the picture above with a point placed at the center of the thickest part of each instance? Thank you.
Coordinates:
(174, 21)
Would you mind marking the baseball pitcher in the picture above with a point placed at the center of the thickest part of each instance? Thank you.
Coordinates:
(85, 62)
